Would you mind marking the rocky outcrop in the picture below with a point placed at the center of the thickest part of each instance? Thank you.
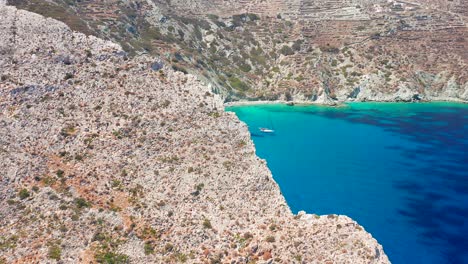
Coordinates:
(107, 158)
(274, 49)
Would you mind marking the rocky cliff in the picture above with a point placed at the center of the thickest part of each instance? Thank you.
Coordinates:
(111, 159)
(323, 51)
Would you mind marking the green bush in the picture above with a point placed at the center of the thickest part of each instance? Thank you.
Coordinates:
(179, 68)
(82, 203)
(111, 258)
(23, 194)
(181, 257)
(55, 252)
(245, 67)
(68, 131)
(286, 50)
(237, 84)
(253, 17)
(213, 17)
(60, 173)
(198, 189)
(330, 49)
(149, 248)
(8, 243)
(68, 76)
(297, 45)
(168, 247)
(207, 224)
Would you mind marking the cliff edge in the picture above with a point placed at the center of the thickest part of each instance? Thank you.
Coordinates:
(112, 160)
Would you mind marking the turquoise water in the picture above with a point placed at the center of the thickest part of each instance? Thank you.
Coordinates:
(400, 170)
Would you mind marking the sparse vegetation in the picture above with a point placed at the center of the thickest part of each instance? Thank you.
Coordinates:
(286, 50)
(181, 257)
(128, 150)
(111, 258)
(179, 68)
(8, 242)
(207, 224)
(198, 189)
(68, 131)
(82, 203)
(168, 247)
(165, 104)
(273, 227)
(55, 252)
(148, 248)
(245, 67)
(23, 194)
(60, 173)
(237, 84)
(68, 76)
(298, 258)
(214, 114)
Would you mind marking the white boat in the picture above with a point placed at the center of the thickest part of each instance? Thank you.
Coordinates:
(266, 130)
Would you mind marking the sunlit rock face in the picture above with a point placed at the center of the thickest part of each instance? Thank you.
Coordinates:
(107, 157)
(277, 49)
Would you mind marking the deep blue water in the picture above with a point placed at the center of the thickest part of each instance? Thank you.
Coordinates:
(400, 170)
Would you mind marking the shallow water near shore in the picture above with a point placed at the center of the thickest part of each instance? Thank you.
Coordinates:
(400, 170)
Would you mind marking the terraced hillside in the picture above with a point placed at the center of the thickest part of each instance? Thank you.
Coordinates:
(324, 51)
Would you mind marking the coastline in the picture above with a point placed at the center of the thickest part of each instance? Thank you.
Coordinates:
(389, 121)
(194, 182)
(265, 102)
(337, 104)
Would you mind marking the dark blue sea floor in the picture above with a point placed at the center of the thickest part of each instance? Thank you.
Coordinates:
(400, 170)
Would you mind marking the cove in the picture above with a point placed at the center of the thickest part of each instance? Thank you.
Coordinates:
(400, 170)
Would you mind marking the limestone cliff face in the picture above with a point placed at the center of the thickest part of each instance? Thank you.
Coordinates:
(324, 51)
(106, 158)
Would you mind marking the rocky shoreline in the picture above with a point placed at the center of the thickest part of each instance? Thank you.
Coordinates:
(336, 104)
(110, 159)
(261, 102)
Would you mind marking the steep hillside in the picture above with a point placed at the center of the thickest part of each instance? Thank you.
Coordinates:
(323, 51)
(111, 159)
